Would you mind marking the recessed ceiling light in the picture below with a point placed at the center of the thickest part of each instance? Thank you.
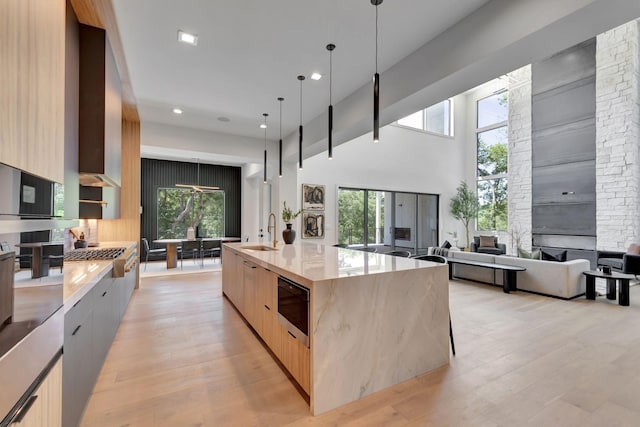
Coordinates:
(188, 38)
(263, 126)
(177, 111)
(224, 119)
(316, 76)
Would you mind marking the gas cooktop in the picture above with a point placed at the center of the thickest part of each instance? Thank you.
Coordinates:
(93, 254)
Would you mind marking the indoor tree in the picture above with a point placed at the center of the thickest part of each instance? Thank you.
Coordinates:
(464, 206)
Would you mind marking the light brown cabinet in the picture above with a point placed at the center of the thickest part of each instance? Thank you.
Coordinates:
(254, 292)
(32, 82)
(44, 407)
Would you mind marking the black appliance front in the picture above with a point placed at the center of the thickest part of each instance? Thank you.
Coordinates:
(293, 307)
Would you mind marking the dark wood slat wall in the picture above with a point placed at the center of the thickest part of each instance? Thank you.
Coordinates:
(166, 174)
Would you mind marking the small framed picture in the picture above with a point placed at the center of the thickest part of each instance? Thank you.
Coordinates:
(313, 197)
(313, 225)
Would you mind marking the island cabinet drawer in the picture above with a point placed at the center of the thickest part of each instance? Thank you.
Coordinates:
(80, 310)
(294, 355)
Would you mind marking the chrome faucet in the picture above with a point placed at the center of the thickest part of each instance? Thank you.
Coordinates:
(272, 227)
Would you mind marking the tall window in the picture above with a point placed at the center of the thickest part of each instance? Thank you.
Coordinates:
(181, 208)
(436, 119)
(492, 140)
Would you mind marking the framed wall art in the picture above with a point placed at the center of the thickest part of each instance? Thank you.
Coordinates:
(313, 197)
(313, 225)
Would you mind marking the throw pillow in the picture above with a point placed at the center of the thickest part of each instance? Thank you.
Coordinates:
(487, 242)
(558, 257)
(634, 249)
(535, 254)
(446, 244)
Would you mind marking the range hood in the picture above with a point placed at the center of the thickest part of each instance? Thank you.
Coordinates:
(96, 180)
(99, 126)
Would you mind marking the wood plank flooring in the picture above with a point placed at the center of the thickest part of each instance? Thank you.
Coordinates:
(184, 357)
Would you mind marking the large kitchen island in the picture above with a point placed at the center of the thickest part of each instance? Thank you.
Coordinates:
(373, 320)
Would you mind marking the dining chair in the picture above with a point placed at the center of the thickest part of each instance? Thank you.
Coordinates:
(190, 246)
(145, 245)
(441, 260)
(211, 247)
(53, 255)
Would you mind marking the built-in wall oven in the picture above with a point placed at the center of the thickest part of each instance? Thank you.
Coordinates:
(293, 309)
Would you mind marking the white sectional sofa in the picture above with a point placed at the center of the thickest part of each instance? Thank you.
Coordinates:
(558, 279)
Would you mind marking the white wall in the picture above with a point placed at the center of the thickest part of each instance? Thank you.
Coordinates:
(404, 160)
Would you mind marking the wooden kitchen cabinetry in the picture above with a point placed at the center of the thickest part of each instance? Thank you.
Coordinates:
(254, 292)
(43, 408)
(32, 82)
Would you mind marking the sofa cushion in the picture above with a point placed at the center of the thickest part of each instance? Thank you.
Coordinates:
(634, 249)
(491, 250)
(535, 254)
(611, 262)
(446, 245)
(487, 242)
(560, 256)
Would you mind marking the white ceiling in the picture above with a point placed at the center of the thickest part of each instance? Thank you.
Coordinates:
(249, 52)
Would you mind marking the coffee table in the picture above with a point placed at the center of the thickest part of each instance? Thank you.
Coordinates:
(612, 279)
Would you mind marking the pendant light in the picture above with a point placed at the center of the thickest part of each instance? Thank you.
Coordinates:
(280, 142)
(301, 79)
(376, 84)
(330, 48)
(265, 146)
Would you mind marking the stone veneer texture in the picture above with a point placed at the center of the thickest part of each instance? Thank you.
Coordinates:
(520, 158)
(617, 133)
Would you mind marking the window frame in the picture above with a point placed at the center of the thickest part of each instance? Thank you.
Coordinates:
(480, 130)
(451, 133)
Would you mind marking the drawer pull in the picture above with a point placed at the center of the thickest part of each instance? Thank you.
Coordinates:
(267, 307)
(292, 334)
(75, 331)
(104, 293)
(77, 303)
(23, 411)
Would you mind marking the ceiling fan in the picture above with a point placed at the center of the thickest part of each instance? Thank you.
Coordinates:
(197, 188)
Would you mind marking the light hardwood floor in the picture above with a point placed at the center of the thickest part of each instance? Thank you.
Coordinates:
(184, 357)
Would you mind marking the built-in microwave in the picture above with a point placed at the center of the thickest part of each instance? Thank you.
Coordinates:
(293, 309)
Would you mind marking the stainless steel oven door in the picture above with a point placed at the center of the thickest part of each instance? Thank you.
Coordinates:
(293, 309)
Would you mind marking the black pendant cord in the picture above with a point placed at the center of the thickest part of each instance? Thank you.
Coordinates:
(330, 48)
(265, 147)
(376, 85)
(280, 142)
(300, 129)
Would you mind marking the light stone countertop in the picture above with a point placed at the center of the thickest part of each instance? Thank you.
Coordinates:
(81, 276)
(308, 262)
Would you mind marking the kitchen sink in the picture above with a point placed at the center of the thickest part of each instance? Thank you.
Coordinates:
(259, 248)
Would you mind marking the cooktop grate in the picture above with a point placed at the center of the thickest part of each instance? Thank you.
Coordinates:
(93, 254)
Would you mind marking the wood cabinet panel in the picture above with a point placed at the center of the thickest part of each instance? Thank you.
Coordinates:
(32, 81)
(46, 409)
(254, 292)
(267, 305)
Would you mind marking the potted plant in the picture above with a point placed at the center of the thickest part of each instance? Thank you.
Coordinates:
(289, 235)
(464, 206)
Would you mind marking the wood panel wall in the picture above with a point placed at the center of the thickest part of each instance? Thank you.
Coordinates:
(32, 67)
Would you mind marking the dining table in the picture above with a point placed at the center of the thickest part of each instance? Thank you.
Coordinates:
(38, 267)
(172, 246)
